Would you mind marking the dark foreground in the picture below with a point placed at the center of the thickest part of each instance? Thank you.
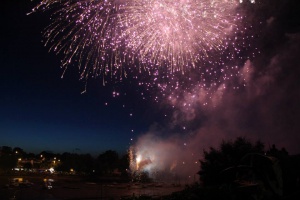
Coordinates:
(73, 187)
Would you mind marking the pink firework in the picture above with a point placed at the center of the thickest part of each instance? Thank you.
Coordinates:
(104, 36)
(177, 34)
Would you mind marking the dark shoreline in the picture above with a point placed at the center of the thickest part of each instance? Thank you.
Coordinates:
(79, 187)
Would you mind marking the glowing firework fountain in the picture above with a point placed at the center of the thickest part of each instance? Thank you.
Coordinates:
(161, 160)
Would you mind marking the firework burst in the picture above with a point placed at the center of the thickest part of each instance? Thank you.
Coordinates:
(107, 36)
(176, 34)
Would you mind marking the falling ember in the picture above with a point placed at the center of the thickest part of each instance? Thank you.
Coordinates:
(106, 36)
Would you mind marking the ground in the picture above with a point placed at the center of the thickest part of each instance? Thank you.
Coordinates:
(75, 187)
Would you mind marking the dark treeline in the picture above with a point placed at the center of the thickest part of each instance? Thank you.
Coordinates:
(108, 163)
(240, 164)
(243, 170)
(238, 169)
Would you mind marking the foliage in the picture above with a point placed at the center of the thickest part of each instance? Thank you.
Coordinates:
(7, 159)
(27, 166)
(5, 150)
(18, 150)
(7, 162)
(244, 170)
(108, 161)
(79, 163)
(229, 154)
(290, 166)
(105, 164)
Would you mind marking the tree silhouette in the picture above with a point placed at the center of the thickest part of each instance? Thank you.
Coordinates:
(7, 160)
(229, 154)
(27, 166)
(18, 151)
(5, 150)
(290, 166)
(108, 161)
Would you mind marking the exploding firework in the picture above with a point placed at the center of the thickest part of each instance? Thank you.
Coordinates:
(107, 36)
(85, 32)
(175, 34)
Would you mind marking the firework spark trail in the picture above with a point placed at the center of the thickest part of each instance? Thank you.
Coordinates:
(187, 48)
(85, 32)
(104, 36)
(176, 34)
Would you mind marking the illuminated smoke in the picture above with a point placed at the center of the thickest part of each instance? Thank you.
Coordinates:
(254, 112)
(169, 159)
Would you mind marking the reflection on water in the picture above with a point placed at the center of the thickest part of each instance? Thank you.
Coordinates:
(48, 183)
(71, 187)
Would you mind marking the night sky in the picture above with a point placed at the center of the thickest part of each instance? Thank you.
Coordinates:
(39, 110)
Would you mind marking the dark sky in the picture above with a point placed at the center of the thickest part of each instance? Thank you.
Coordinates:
(40, 111)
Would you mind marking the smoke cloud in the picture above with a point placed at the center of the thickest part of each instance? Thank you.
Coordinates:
(262, 104)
